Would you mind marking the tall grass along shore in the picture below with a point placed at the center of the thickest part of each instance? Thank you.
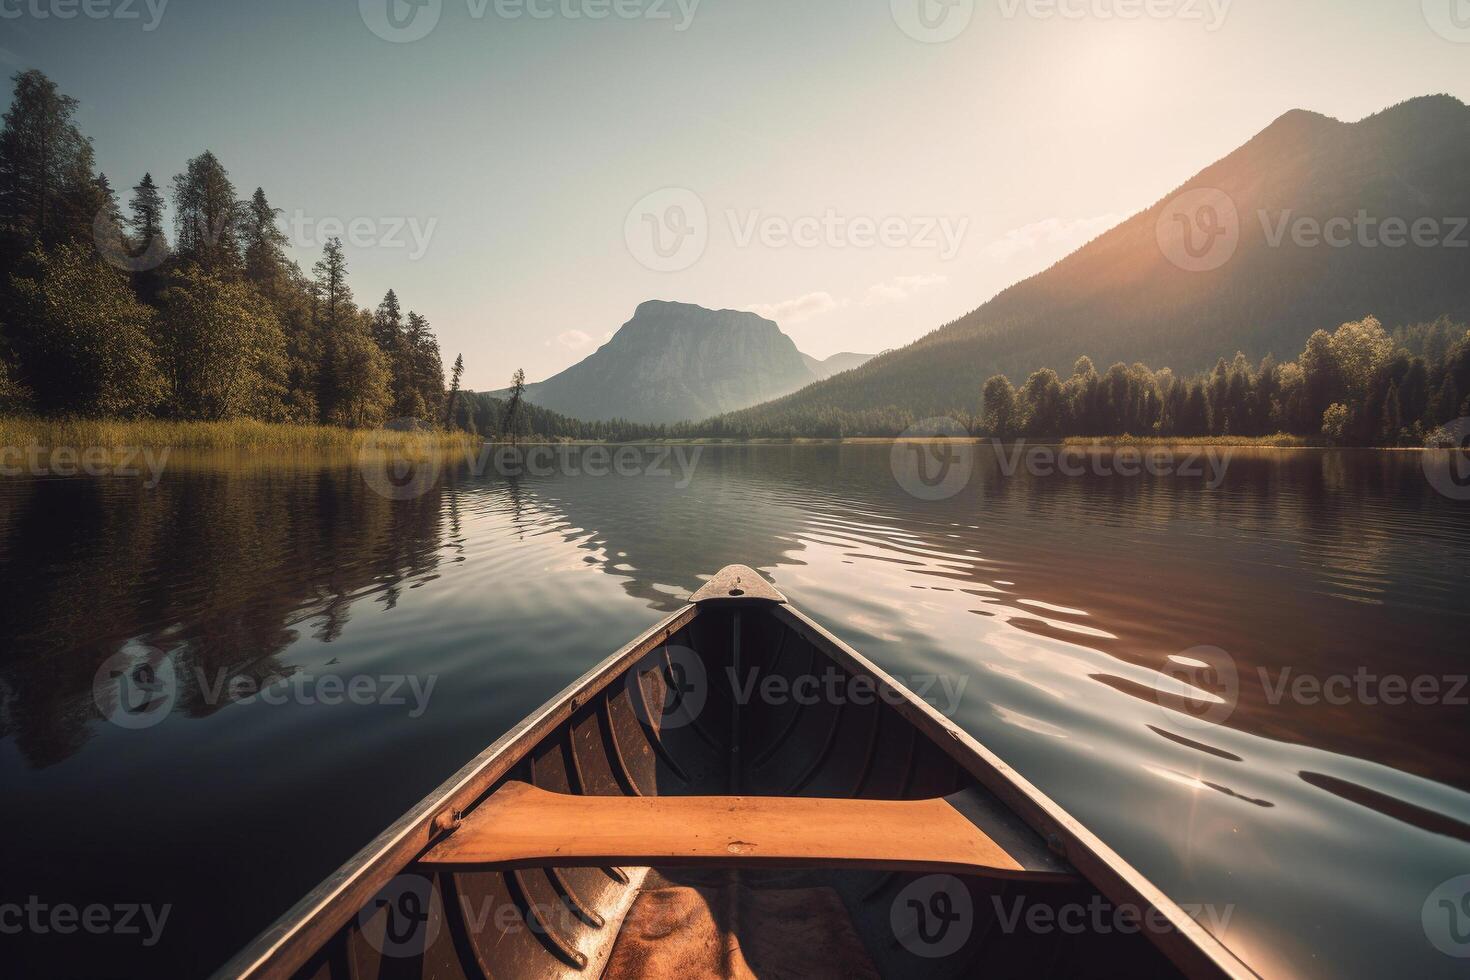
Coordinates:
(240, 434)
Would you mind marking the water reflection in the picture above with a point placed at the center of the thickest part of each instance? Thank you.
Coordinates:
(1067, 603)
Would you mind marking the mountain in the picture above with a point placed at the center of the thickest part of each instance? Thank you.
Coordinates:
(674, 362)
(1122, 298)
(836, 364)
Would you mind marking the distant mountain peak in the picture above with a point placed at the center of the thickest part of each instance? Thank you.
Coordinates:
(1122, 298)
(675, 362)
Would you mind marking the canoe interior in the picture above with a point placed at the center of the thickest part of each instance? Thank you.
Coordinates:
(546, 922)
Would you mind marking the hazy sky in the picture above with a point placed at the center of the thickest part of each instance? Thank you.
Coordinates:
(863, 180)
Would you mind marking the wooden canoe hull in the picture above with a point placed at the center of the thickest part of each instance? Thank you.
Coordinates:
(631, 728)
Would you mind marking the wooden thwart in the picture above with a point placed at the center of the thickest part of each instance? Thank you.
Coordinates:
(522, 826)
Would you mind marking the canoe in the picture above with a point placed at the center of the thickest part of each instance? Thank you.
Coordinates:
(736, 793)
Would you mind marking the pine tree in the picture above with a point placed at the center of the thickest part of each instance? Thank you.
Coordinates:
(46, 170)
(207, 216)
(264, 245)
(513, 404)
(452, 401)
(333, 314)
(425, 368)
(147, 208)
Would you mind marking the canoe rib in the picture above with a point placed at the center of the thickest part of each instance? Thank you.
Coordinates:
(523, 826)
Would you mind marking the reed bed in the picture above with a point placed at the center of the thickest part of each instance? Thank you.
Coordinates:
(235, 435)
(1278, 441)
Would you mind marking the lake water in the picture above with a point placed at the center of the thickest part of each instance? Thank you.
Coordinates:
(1311, 825)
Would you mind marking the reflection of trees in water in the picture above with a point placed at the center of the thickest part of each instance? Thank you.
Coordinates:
(744, 506)
(217, 568)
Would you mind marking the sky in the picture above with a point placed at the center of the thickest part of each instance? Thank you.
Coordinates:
(524, 173)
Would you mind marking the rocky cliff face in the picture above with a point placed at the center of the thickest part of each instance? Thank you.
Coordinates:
(674, 362)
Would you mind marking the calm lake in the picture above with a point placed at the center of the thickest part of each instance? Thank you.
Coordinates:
(1309, 797)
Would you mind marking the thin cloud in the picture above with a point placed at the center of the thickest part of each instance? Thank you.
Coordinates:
(899, 289)
(1050, 234)
(800, 309)
(573, 339)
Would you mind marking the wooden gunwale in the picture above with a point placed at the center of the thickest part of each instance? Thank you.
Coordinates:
(298, 934)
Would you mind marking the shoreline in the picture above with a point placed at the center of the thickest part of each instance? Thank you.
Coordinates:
(21, 433)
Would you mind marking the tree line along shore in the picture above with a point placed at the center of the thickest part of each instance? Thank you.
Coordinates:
(114, 332)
